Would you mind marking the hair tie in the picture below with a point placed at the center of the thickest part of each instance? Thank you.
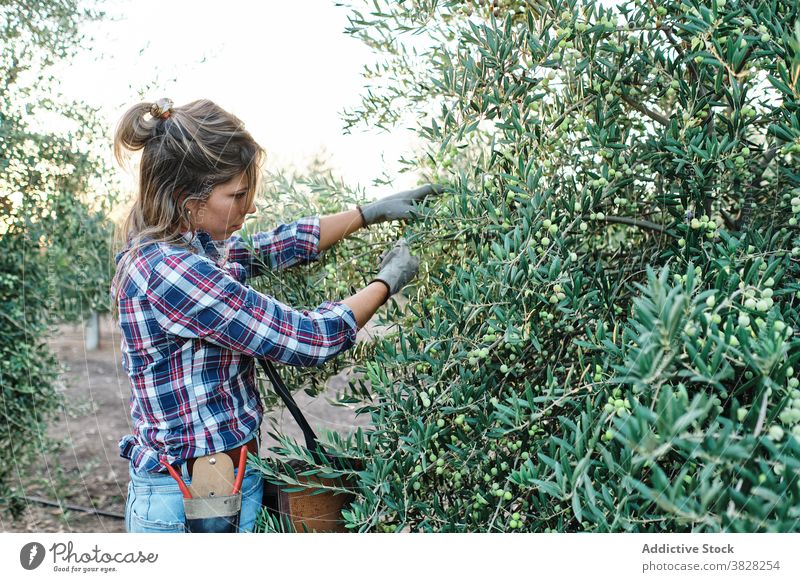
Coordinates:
(161, 108)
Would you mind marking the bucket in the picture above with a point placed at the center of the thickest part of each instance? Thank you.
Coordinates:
(309, 510)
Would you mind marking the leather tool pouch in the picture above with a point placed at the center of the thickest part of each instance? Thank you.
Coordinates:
(213, 508)
(213, 514)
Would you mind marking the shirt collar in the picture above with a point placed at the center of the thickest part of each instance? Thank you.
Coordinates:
(203, 245)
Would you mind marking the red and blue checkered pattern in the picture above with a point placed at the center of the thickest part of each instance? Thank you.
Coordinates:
(191, 329)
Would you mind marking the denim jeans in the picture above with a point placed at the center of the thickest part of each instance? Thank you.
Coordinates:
(155, 503)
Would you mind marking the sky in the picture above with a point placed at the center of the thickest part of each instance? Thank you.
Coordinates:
(286, 69)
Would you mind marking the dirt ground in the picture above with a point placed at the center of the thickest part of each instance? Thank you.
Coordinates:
(96, 416)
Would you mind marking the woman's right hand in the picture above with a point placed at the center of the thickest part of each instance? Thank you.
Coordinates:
(397, 267)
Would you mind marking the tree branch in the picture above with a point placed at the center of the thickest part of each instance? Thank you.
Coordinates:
(642, 109)
(730, 221)
(645, 224)
(569, 110)
(744, 216)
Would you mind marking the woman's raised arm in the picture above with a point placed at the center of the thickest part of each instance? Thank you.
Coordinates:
(335, 227)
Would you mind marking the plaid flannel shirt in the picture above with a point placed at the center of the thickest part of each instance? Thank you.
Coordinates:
(191, 330)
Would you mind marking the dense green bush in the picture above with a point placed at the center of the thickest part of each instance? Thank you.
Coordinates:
(55, 262)
(603, 336)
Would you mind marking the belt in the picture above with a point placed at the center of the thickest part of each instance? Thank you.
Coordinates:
(252, 447)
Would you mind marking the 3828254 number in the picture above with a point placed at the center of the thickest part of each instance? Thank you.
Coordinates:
(744, 565)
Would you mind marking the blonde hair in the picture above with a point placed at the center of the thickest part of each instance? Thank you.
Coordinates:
(184, 156)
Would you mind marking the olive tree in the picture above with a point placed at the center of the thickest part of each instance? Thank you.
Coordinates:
(603, 335)
(54, 240)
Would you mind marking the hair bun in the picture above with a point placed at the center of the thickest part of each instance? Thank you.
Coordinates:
(161, 108)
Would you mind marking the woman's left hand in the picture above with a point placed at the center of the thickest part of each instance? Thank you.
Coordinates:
(398, 206)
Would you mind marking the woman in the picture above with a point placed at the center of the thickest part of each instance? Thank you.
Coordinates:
(191, 327)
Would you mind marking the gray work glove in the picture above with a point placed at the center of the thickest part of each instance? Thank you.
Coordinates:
(398, 267)
(397, 206)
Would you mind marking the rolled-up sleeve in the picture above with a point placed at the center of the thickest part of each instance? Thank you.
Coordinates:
(193, 298)
(290, 244)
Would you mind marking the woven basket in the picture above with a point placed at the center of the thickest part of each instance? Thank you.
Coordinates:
(320, 512)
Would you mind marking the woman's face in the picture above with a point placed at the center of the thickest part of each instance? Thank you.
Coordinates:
(224, 211)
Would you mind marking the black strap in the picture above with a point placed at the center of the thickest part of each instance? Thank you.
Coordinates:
(312, 443)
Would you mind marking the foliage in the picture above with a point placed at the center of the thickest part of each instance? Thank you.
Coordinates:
(54, 240)
(341, 271)
(603, 336)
